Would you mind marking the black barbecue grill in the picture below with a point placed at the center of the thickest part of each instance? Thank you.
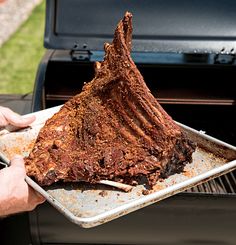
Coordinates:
(186, 53)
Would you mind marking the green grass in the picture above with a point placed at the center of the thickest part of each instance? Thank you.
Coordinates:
(21, 54)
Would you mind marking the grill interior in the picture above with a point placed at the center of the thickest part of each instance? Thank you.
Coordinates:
(226, 184)
(200, 96)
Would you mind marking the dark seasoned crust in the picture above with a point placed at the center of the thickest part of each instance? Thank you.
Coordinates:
(115, 129)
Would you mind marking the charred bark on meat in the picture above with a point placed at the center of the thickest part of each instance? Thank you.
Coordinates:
(115, 129)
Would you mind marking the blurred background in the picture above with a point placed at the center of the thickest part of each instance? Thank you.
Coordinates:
(21, 44)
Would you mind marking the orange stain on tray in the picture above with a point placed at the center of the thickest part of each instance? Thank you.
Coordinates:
(188, 173)
(20, 146)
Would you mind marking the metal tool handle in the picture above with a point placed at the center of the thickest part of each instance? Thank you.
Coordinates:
(4, 161)
(4, 164)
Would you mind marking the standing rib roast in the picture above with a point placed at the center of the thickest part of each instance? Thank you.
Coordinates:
(114, 129)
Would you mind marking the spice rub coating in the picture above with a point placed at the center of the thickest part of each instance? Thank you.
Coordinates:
(114, 129)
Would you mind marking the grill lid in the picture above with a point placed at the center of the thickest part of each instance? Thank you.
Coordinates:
(184, 26)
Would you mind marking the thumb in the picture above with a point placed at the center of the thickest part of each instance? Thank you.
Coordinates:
(15, 119)
(26, 121)
(17, 161)
(20, 121)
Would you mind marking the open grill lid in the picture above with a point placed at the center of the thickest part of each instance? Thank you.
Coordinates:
(184, 26)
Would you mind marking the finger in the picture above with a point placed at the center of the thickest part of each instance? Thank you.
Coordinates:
(25, 121)
(41, 199)
(9, 115)
(34, 198)
(15, 119)
(38, 197)
(3, 120)
(18, 161)
(19, 121)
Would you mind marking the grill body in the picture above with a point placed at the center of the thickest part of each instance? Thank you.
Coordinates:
(186, 52)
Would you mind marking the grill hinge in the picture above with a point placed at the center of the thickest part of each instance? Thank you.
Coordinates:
(81, 55)
(227, 59)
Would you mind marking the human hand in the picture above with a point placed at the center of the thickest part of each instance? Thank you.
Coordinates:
(7, 116)
(15, 194)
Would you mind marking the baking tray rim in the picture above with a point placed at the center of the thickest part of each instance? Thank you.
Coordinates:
(145, 200)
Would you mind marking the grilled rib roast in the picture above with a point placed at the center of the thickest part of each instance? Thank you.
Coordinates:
(114, 129)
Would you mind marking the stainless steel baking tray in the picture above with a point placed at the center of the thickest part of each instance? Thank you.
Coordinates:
(91, 205)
